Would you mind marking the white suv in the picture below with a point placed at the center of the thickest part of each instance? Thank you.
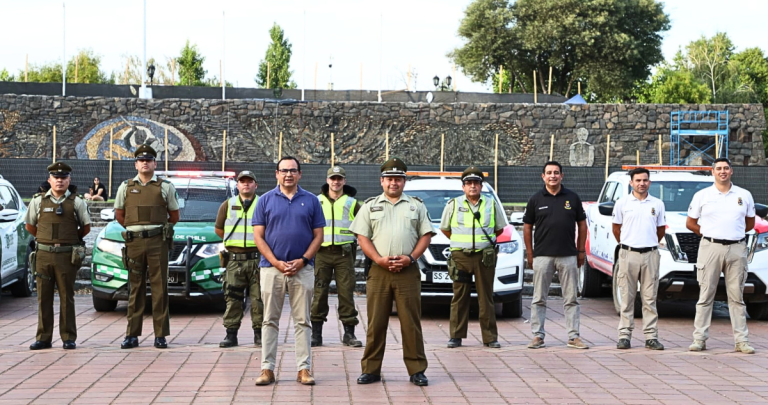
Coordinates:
(15, 243)
(435, 283)
(679, 247)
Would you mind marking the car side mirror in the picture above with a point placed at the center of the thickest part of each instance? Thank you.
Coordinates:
(107, 214)
(8, 215)
(606, 208)
(516, 218)
(761, 210)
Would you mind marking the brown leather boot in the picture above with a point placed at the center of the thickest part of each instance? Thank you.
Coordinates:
(305, 377)
(267, 377)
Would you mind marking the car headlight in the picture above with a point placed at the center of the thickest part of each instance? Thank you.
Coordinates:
(210, 249)
(508, 247)
(663, 243)
(110, 246)
(762, 242)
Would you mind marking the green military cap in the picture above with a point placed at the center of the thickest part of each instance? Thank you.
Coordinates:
(336, 171)
(144, 152)
(246, 173)
(59, 169)
(472, 173)
(393, 168)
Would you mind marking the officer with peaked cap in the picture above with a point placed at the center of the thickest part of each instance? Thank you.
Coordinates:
(59, 220)
(147, 207)
(336, 257)
(393, 230)
(472, 222)
(233, 225)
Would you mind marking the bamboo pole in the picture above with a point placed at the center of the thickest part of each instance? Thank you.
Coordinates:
(535, 95)
(496, 165)
(173, 71)
(280, 147)
(637, 157)
(166, 149)
(661, 159)
(268, 73)
(442, 150)
(551, 147)
(77, 66)
(717, 146)
(386, 149)
(549, 85)
(224, 150)
(501, 77)
(607, 154)
(111, 150)
(579, 84)
(26, 68)
(54, 144)
(333, 150)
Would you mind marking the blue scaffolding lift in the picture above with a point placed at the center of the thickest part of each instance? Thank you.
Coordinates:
(687, 126)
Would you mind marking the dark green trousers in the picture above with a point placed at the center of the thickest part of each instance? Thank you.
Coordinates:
(404, 288)
(148, 255)
(473, 263)
(55, 270)
(240, 276)
(338, 263)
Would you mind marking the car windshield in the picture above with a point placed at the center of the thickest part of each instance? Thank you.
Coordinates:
(676, 195)
(200, 204)
(435, 200)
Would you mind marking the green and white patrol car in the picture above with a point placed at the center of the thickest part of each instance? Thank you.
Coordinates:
(15, 243)
(194, 273)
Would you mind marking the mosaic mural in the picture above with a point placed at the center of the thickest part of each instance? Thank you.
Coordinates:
(127, 133)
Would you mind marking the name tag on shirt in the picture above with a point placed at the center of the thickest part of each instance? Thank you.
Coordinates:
(544, 207)
(462, 209)
(135, 191)
(49, 209)
(377, 208)
(236, 207)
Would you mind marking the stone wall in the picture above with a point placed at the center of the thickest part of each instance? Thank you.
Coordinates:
(195, 127)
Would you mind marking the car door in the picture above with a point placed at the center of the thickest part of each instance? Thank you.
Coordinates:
(599, 230)
(9, 230)
(610, 242)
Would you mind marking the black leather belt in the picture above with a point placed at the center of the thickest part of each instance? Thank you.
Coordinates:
(144, 234)
(243, 256)
(724, 241)
(331, 248)
(639, 250)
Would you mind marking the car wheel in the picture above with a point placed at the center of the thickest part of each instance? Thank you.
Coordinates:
(590, 281)
(512, 309)
(758, 310)
(103, 305)
(26, 283)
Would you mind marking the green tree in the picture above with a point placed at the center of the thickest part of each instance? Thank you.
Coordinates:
(753, 71)
(190, 63)
(85, 67)
(5, 76)
(674, 86)
(708, 58)
(45, 73)
(278, 57)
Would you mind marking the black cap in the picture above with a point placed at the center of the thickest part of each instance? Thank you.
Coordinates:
(393, 168)
(472, 173)
(144, 152)
(59, 169)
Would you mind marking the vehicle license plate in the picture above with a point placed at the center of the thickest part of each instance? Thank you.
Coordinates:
(175, 278)
(441, 277)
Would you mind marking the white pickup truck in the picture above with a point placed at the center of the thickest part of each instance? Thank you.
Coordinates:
(678, 248)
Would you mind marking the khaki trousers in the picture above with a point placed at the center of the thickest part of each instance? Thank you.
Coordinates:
(55, 269)
(274, 286)
(404, 288)
(473, 263)
(148, 255)
(637, 267)
(240, 276)
(338, 264)
(544, 268)
(731, 260)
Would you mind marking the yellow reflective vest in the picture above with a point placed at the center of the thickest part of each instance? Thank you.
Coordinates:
(466, 232)
(243, 232)
(338, 217)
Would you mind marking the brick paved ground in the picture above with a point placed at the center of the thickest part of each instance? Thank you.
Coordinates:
(195, 369)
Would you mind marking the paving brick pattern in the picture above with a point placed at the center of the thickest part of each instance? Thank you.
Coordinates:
(195, 370)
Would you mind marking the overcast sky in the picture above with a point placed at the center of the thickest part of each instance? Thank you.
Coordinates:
(416, 33)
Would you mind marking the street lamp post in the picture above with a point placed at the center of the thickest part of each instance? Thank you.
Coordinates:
(150, 73)
(444, 86)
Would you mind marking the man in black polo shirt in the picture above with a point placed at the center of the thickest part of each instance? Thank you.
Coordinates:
(555, 211)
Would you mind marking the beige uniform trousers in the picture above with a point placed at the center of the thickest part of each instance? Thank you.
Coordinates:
(544, 268)
(274, 286)
(637, 267)
(731, 260)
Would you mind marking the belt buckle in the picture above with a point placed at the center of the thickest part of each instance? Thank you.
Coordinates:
(57, 245)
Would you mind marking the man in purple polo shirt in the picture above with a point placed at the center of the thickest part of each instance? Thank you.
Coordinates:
(288, 230)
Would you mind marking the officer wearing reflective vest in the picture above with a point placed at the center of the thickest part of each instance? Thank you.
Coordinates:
(59, 220)
(336, 257)
(147, 207)
(241, 259)
(471, 222)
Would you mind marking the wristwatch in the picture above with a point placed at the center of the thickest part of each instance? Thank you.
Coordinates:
(305, 260)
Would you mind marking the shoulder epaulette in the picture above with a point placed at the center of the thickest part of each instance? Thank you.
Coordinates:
(417, 199)
(37, 195)
(369, 199)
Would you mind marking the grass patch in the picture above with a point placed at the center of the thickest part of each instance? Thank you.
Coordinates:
(514, 204)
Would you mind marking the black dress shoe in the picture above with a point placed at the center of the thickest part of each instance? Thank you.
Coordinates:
(69, 345)
(40, 345)
(130, 342)
(493, 345)
(420, 379)
(454, 342)
(160, 343)
(368, 378)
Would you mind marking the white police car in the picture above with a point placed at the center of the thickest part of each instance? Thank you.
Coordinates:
(15, 243)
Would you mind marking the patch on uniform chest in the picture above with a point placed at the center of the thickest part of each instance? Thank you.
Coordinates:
(135, 191)
(463, 209)
(376, 208)
(413, 208)
(48, 209)
(567, 204)
(741, 202)
(236, 207)
(653, 211)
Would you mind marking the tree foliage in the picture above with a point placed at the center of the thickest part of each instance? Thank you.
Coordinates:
(5, 76)
(190, 64)
(278, 57)
(85, 67)
(674, 86)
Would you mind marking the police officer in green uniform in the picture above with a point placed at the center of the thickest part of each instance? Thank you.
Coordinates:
(393, 230)
(59, 220)
(147, 207)
(471, 222)
(336, 257)
(233, 225)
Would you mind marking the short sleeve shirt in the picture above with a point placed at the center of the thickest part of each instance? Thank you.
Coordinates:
(554, 218)
(394, 228)
(288, 223)
(167, 189)
(722, 215)
(499, 217)
(99, 187)
(639, 220)
(33, 213)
